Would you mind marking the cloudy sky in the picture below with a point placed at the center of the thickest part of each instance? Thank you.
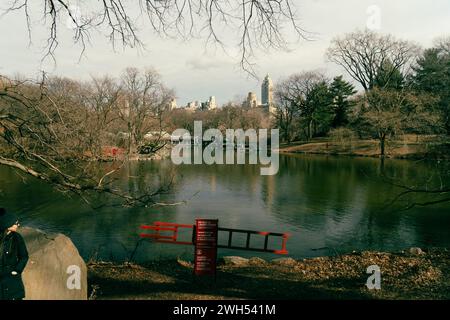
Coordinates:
(195, 74)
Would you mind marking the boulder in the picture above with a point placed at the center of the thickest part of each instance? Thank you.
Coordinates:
(284, 261)
(55, 269)
(235, 261)
(416, 251)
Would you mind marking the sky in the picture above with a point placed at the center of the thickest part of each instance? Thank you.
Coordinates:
(195, 73)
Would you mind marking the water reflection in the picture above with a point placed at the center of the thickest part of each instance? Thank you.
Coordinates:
(328, 204)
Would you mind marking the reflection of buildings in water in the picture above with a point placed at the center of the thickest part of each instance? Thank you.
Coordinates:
(254, 183)
(270, 190)
(213, 183)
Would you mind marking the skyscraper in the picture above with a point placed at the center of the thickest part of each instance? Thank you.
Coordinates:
(212, 103)
(173, 104)
(251, 100)
(267, 92)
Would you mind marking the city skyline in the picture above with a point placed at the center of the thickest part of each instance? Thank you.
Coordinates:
(251, 101)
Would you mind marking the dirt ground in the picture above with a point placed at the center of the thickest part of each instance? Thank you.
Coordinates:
(403, 276)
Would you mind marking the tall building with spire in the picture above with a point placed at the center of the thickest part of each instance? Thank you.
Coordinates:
(267, 92)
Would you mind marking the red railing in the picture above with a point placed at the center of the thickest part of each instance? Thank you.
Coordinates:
(159, 227)
(166, 226)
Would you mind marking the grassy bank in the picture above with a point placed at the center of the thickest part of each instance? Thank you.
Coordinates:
(407, 147)
(403, 276)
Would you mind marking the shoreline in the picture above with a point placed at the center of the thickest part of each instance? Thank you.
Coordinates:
(409, 147)
(412, 147)
(409, 274)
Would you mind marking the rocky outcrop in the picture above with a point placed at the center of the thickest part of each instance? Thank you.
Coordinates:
(55, 269)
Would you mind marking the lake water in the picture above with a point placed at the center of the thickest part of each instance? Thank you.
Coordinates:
(328, 204)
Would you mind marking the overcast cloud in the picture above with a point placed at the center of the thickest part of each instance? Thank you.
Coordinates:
(196, 74)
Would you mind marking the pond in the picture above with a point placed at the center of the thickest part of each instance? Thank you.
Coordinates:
(328, 205)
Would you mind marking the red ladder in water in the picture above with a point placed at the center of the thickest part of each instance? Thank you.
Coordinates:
(174, 228)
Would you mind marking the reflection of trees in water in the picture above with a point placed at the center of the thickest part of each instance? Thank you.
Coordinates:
(113, 232)
(313, 188)
(110, 230)
(15, 194)
(429, 189)
(432, 225)
(336, 201)
(234, 178)
(346, 197)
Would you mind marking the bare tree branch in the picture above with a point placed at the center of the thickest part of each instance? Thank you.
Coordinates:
(257, 24)
(56, 131)
(364, 53)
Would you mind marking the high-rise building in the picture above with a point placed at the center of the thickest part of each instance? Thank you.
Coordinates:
(173, 104)
(251, 100)
(212, 103)
(267, 92)
(125, 109)
(192, 106)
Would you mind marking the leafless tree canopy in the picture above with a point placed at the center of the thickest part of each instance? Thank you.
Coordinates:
(291, 100)
(364, 53)
(56, 130)
(443, 43)
(147, 99)
(255, 23)
(386, 113)
(297, 86)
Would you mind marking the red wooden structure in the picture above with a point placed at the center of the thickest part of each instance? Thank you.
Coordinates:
(205, 239)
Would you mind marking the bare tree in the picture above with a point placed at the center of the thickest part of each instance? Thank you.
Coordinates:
(386, 113)
(99, 101)
(293, 101)
(365, 53)
(443, 44)
(286, 111)
(51, 130)
(146, 100)
(253, 24)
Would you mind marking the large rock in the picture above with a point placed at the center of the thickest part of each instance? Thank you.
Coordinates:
(416, 251)
(53, 267)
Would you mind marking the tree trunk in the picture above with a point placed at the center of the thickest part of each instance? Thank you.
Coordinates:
(130, 138)
(382, 145)
(314, 129)
(310, 130)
